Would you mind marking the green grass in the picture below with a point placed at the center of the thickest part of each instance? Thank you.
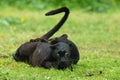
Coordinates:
(97, 36)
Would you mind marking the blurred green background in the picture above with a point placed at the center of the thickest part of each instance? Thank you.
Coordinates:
(90, 5)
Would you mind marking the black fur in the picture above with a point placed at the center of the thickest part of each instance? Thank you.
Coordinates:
(47, 55)
(61, 51)
(41, 55)
(26, 50)
(74, 53)
(58, 52)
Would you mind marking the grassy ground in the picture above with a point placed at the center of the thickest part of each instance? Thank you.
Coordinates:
(97, 36)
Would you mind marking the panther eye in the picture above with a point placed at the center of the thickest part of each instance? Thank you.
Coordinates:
(61, 53)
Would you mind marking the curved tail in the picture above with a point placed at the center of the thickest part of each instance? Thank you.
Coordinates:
(60, 23)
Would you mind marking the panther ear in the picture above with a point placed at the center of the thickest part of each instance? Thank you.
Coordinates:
(54, 41)
(65, 36)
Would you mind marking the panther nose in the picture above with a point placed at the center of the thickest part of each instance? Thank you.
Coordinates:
(63, 59)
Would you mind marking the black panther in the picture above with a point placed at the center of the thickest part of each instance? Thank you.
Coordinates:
(58, 52)
(27, 49)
